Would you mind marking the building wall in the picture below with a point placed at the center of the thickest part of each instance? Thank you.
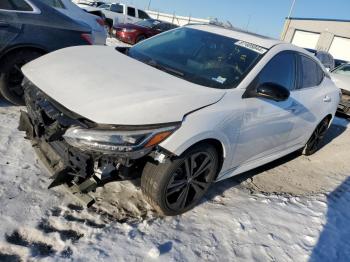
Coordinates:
(328, 29)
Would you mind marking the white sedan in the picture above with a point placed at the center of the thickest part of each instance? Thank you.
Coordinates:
(183, 109)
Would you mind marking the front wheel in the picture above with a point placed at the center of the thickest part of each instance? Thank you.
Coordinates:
(317, 136)
(177, 186)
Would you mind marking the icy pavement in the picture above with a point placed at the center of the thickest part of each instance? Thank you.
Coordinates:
(232, 223)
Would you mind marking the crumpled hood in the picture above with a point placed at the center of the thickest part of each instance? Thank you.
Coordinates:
(341, 81)
(108, 87)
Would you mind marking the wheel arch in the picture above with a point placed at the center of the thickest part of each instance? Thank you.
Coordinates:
(140, 35)
(220, 149)
(218, 144)
(330, 117)
(19, 48)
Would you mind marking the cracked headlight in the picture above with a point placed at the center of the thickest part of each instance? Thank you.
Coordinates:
(113, 141)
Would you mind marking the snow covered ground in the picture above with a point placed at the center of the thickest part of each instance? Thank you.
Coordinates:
(236, 221)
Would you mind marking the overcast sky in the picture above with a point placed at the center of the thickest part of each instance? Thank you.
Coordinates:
(260, 16)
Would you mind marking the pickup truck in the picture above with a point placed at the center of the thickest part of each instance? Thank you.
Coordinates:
(121, 14)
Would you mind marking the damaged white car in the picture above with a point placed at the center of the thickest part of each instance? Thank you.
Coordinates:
(183, 109)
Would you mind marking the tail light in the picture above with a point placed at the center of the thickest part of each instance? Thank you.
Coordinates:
(100, 21)
(88, 38)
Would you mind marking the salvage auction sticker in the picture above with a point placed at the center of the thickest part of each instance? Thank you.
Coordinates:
(252, 47)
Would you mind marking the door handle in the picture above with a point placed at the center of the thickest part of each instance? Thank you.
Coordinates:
(327, 99)
(4, 24)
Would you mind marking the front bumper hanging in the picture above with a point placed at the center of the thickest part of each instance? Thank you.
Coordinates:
(55, 159)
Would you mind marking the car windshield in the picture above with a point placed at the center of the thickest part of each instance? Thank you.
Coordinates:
(343, 70)
(149, 23)
(199, 57)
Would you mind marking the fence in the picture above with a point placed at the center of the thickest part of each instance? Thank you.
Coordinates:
(176, 19)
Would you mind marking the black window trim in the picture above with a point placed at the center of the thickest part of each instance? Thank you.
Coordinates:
(34, 10)
(299, 86)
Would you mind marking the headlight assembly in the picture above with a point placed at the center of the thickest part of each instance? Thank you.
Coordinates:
(109, 141)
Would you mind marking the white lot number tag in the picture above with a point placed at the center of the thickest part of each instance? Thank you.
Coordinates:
(252, 47)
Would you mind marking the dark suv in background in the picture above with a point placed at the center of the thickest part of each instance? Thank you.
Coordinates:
(29, 29)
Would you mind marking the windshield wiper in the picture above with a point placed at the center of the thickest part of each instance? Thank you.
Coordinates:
(166, 69)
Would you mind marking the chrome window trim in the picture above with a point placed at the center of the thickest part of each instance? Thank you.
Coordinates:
(34, 11)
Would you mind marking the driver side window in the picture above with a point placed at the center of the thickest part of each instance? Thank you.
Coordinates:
(281, 70)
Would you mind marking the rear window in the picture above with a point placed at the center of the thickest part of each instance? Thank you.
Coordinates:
(312, 74)
(15, 5)
(54, 3)
(143, 15)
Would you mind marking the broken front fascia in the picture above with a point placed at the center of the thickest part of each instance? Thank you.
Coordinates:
(76, 149)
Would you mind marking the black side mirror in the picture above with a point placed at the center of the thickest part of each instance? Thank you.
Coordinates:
(272, 91)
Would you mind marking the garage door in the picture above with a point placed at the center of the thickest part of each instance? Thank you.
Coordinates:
(340, 48)
(305, 39)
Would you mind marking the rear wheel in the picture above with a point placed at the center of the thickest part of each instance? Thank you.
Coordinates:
(177, 186)
(11, 75)
(315, 140)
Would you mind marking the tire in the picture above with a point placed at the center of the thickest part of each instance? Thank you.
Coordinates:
(168, 188)
(313, 145)
(11, 75)
(140, 38)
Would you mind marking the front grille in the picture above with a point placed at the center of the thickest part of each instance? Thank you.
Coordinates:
(49, 122)
(48, 119)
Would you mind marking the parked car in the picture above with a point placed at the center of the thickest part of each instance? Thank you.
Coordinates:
(141, 30)
(185, 108)
(29, 29)
(326, 58)
(339, 62)
(122, 14)
(89, 3)
(341, 77)
(70, 9)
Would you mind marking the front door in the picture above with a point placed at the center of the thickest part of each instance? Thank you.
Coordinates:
(267, 124)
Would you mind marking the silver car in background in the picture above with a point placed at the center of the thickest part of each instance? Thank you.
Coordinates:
(341, 76)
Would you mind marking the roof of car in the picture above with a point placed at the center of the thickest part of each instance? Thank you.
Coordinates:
(260, 40)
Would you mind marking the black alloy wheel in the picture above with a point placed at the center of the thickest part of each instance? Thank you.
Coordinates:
(190, 181)
(178, 185)
(317, 136)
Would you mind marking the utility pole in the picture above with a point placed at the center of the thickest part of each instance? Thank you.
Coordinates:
(288, 19)
(291, 9)
(149, 4)
(246, 28)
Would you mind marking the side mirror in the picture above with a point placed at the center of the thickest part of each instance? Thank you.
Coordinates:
(272, 91)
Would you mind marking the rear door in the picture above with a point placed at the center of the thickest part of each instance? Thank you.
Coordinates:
(131, 15)
(316, 94)
(10, 22)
